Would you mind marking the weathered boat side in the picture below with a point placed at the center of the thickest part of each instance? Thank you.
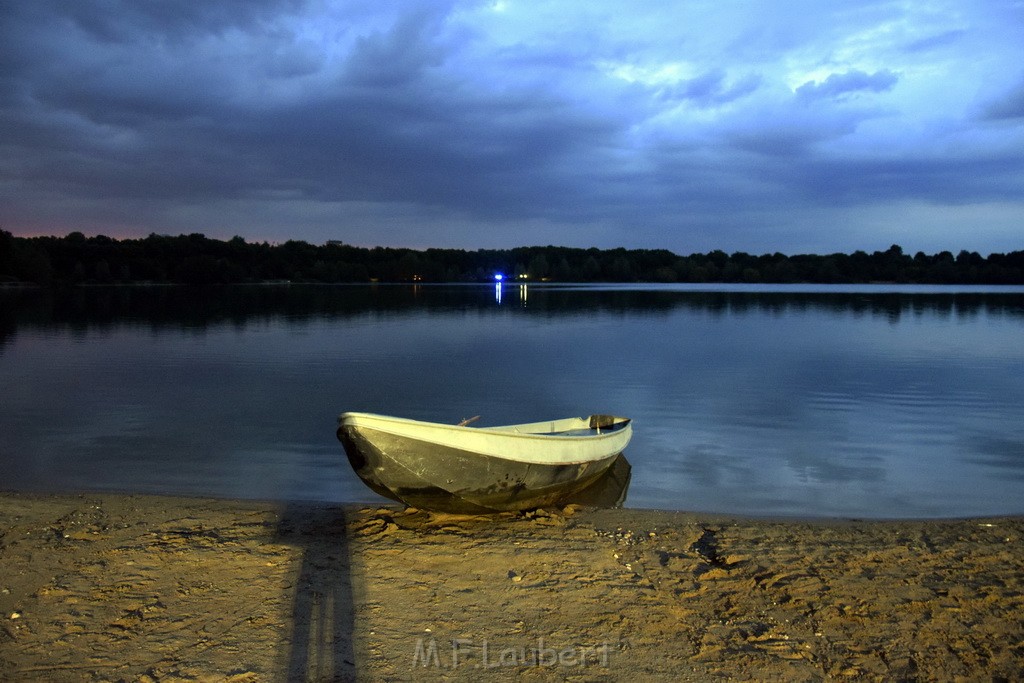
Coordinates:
(437, 473)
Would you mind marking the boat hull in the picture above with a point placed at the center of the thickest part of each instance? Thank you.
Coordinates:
(474, 479)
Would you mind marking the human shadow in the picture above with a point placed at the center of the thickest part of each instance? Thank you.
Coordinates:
(320, 646)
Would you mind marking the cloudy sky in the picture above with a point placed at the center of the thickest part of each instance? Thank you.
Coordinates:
(798, 126)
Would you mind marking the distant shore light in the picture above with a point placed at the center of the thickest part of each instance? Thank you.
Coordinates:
(499, 277)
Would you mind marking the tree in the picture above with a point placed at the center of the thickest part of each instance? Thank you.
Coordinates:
(562, 271)
(538, 268)
(196, 259)
(591, 269)
(6, 254)
(665, 274)
(622, 269)
(103, 271)
(32, 264)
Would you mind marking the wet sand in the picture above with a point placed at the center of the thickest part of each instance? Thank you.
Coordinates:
(109, 588)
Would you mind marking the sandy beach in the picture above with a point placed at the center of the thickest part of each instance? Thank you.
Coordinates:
(105, 587)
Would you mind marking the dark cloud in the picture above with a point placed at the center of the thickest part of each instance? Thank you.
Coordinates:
(1009, 106)
(712, 88)
(845, 84)
(155, 116)
(123, 21)
(944, 182)
(398, 55)
(389, 127)
(937, 41)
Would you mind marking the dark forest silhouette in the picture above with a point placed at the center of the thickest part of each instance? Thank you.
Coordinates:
(197, 259)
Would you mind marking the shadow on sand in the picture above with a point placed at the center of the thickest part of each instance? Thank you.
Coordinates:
(323, 618)
(320, 646)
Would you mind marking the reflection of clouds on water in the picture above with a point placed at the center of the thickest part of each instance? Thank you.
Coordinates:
(7, 332)
(708, 465)
(1004, 455)
(737, 476)
(8, 318)
(827, 467)
(779, 403)
(818, 420)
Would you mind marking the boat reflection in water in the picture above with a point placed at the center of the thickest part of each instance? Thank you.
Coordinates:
(609, 490)
(466, 470)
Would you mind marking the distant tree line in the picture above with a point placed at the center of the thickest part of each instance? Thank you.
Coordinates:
(197, 259)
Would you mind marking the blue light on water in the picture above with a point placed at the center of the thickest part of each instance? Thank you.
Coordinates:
(498, 277)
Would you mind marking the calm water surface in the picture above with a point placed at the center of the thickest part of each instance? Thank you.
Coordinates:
(860, 401)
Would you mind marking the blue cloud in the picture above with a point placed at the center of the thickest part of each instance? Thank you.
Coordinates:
(712, 88)
(1008, 107)
(461, 123)
(848, 83)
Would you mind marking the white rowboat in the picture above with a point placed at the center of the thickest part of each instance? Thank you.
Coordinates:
(454, 468)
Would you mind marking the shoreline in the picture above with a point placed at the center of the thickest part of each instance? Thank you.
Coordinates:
(710, 516)
(109, 586)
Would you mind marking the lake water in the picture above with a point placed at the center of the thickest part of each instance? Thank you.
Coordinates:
(856, 401)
